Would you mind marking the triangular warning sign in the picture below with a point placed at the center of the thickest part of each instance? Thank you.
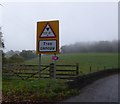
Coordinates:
(47, 32)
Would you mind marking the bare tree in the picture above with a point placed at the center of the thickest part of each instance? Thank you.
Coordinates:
(1, 35)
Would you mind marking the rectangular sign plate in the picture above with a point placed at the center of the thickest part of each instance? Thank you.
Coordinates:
(47, 41)
(47, 45)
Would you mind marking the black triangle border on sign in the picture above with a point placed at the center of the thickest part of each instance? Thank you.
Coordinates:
(51, 29)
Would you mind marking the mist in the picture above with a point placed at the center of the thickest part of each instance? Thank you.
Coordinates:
(94, 46)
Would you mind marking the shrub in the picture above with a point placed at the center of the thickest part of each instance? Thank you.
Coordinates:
(15, 59)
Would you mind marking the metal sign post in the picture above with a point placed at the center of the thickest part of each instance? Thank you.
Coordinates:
(54, 58)
(39, 69)
(54, 61)
(47, 41)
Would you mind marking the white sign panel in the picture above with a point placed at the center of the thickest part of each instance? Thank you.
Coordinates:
(47, 45)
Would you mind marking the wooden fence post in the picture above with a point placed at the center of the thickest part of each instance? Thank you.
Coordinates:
(51, 70)
(77, 68)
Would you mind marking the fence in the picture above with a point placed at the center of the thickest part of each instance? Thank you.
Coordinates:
(31, 71)
(47, 71)
(64, 71)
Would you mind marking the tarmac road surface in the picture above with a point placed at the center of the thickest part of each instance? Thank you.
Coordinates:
(102, 90)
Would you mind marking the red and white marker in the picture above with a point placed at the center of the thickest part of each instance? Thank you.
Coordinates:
(55, 57)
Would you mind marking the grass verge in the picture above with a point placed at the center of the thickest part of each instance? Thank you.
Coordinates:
(44, 90)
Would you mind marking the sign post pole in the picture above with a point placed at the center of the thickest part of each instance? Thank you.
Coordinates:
(47, 41)
(39, 69)
(54, 61)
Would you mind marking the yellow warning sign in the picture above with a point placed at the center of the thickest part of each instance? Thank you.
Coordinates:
(47, 37)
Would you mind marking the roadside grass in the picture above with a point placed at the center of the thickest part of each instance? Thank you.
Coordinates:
(48, 90)
(97, 61)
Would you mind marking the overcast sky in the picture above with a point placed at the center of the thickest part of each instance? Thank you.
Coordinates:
(78, 22)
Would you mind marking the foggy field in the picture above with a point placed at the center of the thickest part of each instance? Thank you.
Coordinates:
(96, 60)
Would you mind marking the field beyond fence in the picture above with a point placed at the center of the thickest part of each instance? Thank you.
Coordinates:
(97, 61)
(68, 65)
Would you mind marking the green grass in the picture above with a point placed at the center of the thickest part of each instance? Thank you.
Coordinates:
(85, 60)
(15, 89)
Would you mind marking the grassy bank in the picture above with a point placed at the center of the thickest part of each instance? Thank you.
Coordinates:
(45, 90)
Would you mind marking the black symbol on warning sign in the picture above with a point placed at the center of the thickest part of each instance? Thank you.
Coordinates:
(47, 32)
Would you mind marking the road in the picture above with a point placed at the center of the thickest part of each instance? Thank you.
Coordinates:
(102, 90)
